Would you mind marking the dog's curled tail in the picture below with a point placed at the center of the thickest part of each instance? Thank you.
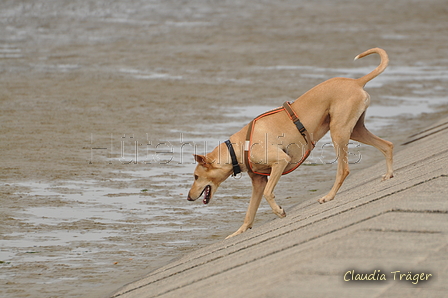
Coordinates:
(384, 62)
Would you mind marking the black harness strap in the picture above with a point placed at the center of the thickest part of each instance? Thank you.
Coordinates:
(236, 166)
(296, 120)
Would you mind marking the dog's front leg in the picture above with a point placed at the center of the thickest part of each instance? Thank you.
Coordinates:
(276, 172)
(258, 186)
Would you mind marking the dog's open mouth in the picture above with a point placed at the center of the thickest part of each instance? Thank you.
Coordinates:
(207, 194)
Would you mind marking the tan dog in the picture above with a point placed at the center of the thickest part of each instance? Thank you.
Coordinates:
(277, 147)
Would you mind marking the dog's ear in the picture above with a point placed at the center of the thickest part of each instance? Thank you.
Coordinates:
(202, 160)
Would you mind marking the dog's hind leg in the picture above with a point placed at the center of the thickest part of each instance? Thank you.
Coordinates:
(341, 148)
(277, 169)
(258, 186)
(361, 134)
(343, 120)
(340, 131)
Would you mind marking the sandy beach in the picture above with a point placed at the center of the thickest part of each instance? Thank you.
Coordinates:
(102, 104)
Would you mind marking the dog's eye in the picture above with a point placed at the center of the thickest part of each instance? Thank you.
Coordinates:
(196, 177)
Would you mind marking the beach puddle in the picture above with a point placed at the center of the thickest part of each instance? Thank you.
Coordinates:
(89, 211)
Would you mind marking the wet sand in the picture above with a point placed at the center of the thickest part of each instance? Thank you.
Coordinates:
(95, 96)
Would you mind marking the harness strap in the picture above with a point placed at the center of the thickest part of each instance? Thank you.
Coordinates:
(236, 166)
(296, 120)
(247, 145)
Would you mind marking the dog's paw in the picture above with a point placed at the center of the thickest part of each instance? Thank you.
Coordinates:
(234, 234)
(241, 230)
(325, 199)
(280, 212)
(283, 213)
(387, 176)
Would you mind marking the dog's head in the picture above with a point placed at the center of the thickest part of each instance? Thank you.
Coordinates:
(208, 175)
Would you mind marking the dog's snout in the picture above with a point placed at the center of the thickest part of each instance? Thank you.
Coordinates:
(189, 198)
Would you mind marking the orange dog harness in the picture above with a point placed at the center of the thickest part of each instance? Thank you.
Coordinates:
(293, 116)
